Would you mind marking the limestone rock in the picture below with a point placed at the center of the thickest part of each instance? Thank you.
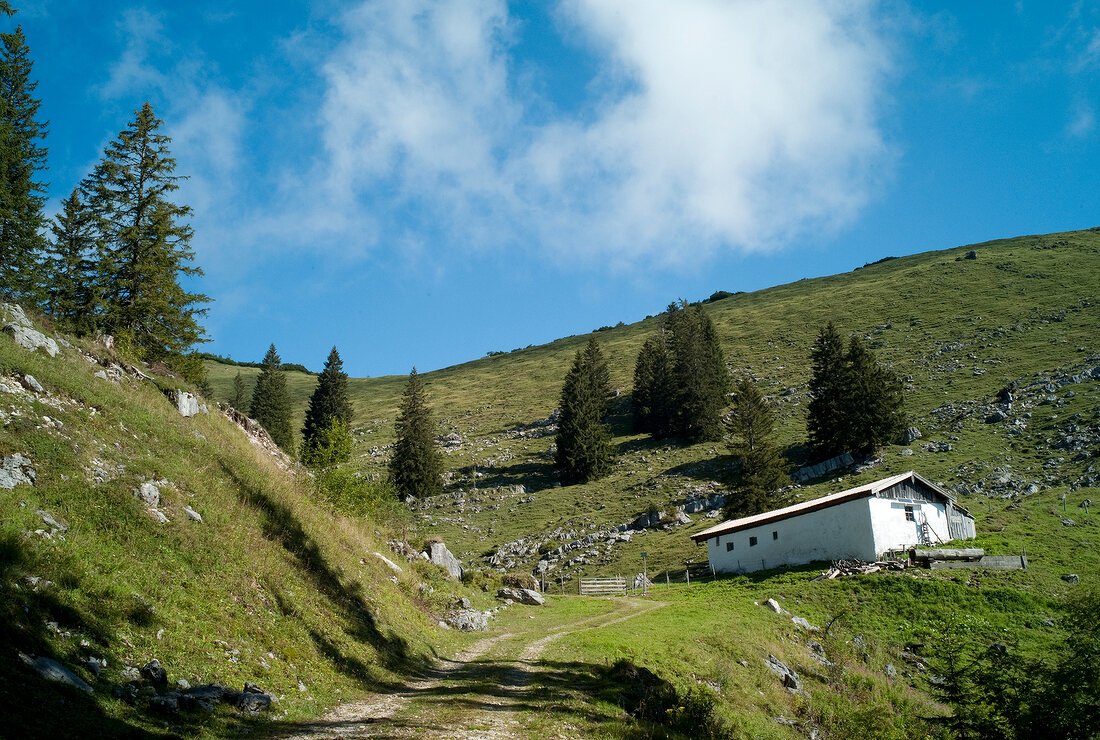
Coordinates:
(468, 620)
(154, 673)
(441, 556)
(910, 435)
(187, 404)
(16, 469)
(775, 607)
(31, 384)
(11, 313)
(196, 516)
(790, 678)
(51, 670)
(148, 493)
(1070, 578)
(31, 339)
(522, 596)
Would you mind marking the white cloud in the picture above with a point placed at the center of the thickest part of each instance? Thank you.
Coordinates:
(1082, 121)
(720, 123)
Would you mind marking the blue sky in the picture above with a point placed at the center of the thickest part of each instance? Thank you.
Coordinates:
(421, 182)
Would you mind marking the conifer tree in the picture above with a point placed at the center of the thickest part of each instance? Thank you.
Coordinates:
(271, 402)
(238, 397)
(146, 242)
(652, 386)
(416, 467)
(328, 404)
(71, 288)
(873, 411)
(825, 419)
(584, 450)
(22, 159)
(751, 425)
(700, 380)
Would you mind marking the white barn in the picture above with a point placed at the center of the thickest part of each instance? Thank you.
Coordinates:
(861, 523)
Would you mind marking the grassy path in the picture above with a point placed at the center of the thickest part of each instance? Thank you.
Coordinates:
(491, 690)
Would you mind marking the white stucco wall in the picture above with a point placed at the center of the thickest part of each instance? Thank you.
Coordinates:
(893, 532)
(834, 533)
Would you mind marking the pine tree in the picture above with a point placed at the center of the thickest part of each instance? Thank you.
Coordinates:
(652, 386)
(416, 467)
(22, 158)
(271, 402)
(751, 425)
(145, 241)
(700, 380)
(238, 397)
(825, 419)
(328, 404)
(70, 291)
(584, 450)
(873, 411)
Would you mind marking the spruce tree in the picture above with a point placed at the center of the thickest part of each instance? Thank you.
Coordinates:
(238, 397)
(416, 467)
(271, 402)
(700, 380)
(652, 386)
(584, 450)
(825, 419)
(873, 410)
(146, 242)
(751, 425)
(328, 404)
(22, 159)
(71, 294)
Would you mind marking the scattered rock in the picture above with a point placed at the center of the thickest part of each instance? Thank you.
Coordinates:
(12, 313)
(51, 670)
(31, 339)
(1070, 578)
(186, 403)
(31, 384)
(441, 556)
(804, 624)
(196, 516)
(393, 566)
(812, 472)
(790, 678)
(166, 704)
(468, 620)
(16, 469)
(910, 435)
(158, 516)
(154, 673)
(149, 493)
(890, 670)
(775, 607)
(522, 596)
(49, 521)
(1068, 523)
(130, 674)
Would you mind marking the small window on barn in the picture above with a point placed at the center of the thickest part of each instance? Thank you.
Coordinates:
(909, 514)
(775, 535)
(752, 542)
(729, 547)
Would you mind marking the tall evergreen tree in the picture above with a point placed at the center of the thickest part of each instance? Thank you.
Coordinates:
(71, 288)
(825, 419)
(271, 402)
(751, 425)
(146, 241)
(856, 404)
(22, 159)
(584, 450)
(238, 397)
(873, 412)
(652, 386)
(329, 402)
(416, 466)
(700, 379)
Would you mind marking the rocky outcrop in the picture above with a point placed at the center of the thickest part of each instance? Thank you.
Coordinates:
(32, 339)
(186, 403)
(812, 472)
(51, 670)
(16, 469)
(439, 555)
(522, 596)
(258, 436)
(468, 620)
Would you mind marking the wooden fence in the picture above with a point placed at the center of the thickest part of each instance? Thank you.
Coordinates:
(603, 586)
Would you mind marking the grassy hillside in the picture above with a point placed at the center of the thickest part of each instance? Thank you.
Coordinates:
(270, 587)
(959, 330)
(997, 343)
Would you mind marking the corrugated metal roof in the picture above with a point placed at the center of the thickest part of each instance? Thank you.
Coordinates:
(867, 489)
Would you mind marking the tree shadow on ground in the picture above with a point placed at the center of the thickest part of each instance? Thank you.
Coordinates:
(716, 469)
(31, 706)
(281, 525)
(477, 693)
(533, 475)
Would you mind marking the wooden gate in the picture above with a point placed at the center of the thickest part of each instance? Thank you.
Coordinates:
(613, 585)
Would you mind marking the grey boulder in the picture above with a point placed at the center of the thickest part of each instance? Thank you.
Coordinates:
(31, 339)
(522, 596)
(441, 556)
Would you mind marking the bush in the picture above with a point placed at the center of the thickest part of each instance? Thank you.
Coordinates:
(648, 697)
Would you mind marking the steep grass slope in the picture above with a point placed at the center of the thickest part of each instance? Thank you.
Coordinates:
(270, 587)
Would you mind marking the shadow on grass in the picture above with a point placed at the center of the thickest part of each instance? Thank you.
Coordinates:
(32, 707)
(476, 696)
(716, 469)
(281, 525)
